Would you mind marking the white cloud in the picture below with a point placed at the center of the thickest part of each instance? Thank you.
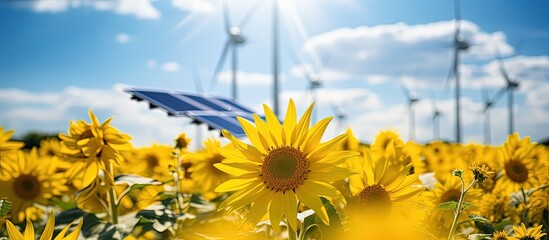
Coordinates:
(382, 52)
(139, 8)
(360, 99)
(123, 38)
(146, 126)
(199, 6)
(170, 67)
(246, 78)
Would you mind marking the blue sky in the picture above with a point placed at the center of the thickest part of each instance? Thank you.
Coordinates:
(59, 58)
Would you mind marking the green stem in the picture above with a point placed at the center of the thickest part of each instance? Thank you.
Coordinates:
(291, 233)
(112, 198)
(525, 212)
(457, 212)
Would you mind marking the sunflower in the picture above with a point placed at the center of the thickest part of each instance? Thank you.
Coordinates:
(153, 162)
(91, 147)
(496, 208)
(449, 190)
(539, 202)
(384, 195)
(182, 142)
(500, 235)
(381, 186)
(283, 165)
(518, 170)
(50, 147)
(28, 179)
(386, 139)
(351, 142)
(203, 168)
(14, 233)
(522, 233)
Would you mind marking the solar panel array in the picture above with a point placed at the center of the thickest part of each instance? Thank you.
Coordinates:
(216, 112)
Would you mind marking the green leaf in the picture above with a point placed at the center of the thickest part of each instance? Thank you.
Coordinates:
(134, 181)
(451, 205)
(501, 225)
(477, 218)
(480, 236)
(5, 207)
(312, 224)
(466, 205)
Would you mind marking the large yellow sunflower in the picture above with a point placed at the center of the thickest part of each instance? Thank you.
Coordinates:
(28, 179)
(14, 234)
(283, 165)
(518, 170)
(203, 170)
(92, 146)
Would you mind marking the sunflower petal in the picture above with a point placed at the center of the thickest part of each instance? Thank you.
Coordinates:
(48, 230)
(252, 134)
(260, 207)
(290, 208)
(234, 184)
(335, 173)
(300, 132)
(13, 233)
(310, 199)
(236, 168)
(315, 134)
(276, 211)
(289, 121)
(74, 234)
(272, 122)
(325, 148)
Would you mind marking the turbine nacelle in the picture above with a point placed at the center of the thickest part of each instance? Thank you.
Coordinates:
(235, 34)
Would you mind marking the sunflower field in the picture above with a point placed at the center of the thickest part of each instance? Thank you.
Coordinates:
(282, 182)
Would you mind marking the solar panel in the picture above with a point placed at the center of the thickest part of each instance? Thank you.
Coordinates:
(216, 112)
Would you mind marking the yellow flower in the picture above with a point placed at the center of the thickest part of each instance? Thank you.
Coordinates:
(28, 179)
(539, 202)
(283, 165)
(518, 168)
(50, 147)
(351, 142)
(182, 142)
(380, 186)
(449, 190)
(14, 234)
(386, 139)
(521, 233)
(496, 208)
(203, 169)
(91, 147)
(481, 173)
(500, 235)
(153, 162)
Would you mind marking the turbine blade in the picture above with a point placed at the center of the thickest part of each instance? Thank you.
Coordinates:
(250, 13)
(220, 62)
(226, 17)
(451, 71)
(498, 95)
(502, 67)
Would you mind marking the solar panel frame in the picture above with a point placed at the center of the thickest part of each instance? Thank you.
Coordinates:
(204, 108)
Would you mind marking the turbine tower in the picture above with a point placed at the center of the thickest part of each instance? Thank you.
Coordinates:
(459, 45)
(436, 120)
(412, 99)
(235, 39)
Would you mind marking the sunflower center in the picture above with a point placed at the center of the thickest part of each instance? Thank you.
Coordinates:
(152, 160)
(217, 158)
(284, 168)
(51, 152)
(450, 195)
(516, 171)
(26, 187)
(375, 198)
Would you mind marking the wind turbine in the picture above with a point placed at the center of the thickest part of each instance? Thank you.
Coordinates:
(511, 85)
(459, 45)
(488, 104)
(411, 100)
(436, 119)
(235, 39)
(340, 115)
